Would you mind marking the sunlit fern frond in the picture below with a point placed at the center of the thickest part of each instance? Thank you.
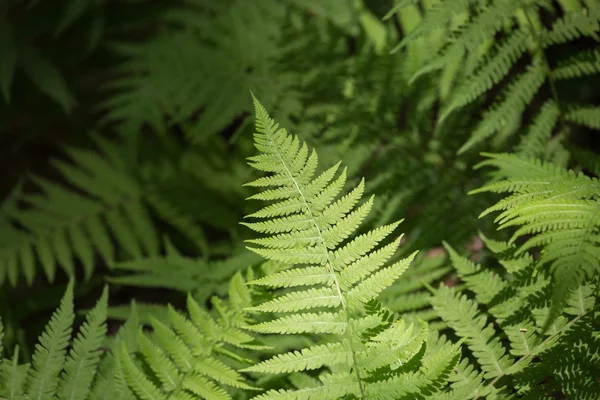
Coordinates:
(558, 211)
(310, 225)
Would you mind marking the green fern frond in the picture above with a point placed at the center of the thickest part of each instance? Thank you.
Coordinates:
(517, 96)
(57, 372)
(50, 352)
(473, 34)
(375, 357)
(490, 73)
(534, 142)
(63, 226)
(560, 210)
(567, 233)
(84, 356)
(12, 377)
(195, 356)
(464, 318)
(585, 22)
(584, 63)
(517, 303)
(110, 379)
(587, 116)
(213, 71)
(467, 48)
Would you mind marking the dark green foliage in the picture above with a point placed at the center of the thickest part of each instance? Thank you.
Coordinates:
(126, 127)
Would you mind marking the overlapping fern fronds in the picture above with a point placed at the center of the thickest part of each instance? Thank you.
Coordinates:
(62, 226)
(517, 306)
(336, 278)
(199, 277)
(62, 367)
(193, 75)
(195, 357)
(487, 62)
(558, 210)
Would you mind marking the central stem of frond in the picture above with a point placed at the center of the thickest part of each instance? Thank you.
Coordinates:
(329, 266)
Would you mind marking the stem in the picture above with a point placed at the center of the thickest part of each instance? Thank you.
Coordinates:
(329, 266)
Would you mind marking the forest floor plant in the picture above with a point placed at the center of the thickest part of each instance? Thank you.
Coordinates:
(306, 291)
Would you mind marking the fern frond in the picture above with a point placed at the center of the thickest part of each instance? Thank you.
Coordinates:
(462, 315)
(587, 116)
(490, 73)
(517, 96)
(221, 68)
(57, 372)
(585, 22)
(63, 226)
(192, 356)
(471, 35)
(344, 273)
(84, 356)
(560, 209)
(50, 352)
(584, 63)
(12, 377)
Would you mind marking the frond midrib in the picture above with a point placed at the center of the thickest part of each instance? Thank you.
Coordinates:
(269, 132)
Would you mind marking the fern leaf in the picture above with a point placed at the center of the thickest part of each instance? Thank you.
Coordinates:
(84, 356)
(189, 357)
(12, 377)
(460, 313)
(63, 226)
(306, 359)
(585, 22)
(470, 36)
(345, 272)
(136, 379)
(490, 73)
(560, 208)
(585, 63)
(517, 97)
(586, 116)
(50, 352)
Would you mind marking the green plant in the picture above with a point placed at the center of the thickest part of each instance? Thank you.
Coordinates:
(511, 337)
(151, 189)
(525, 44)
(337, 278)
(54, 373)
(67, 224)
